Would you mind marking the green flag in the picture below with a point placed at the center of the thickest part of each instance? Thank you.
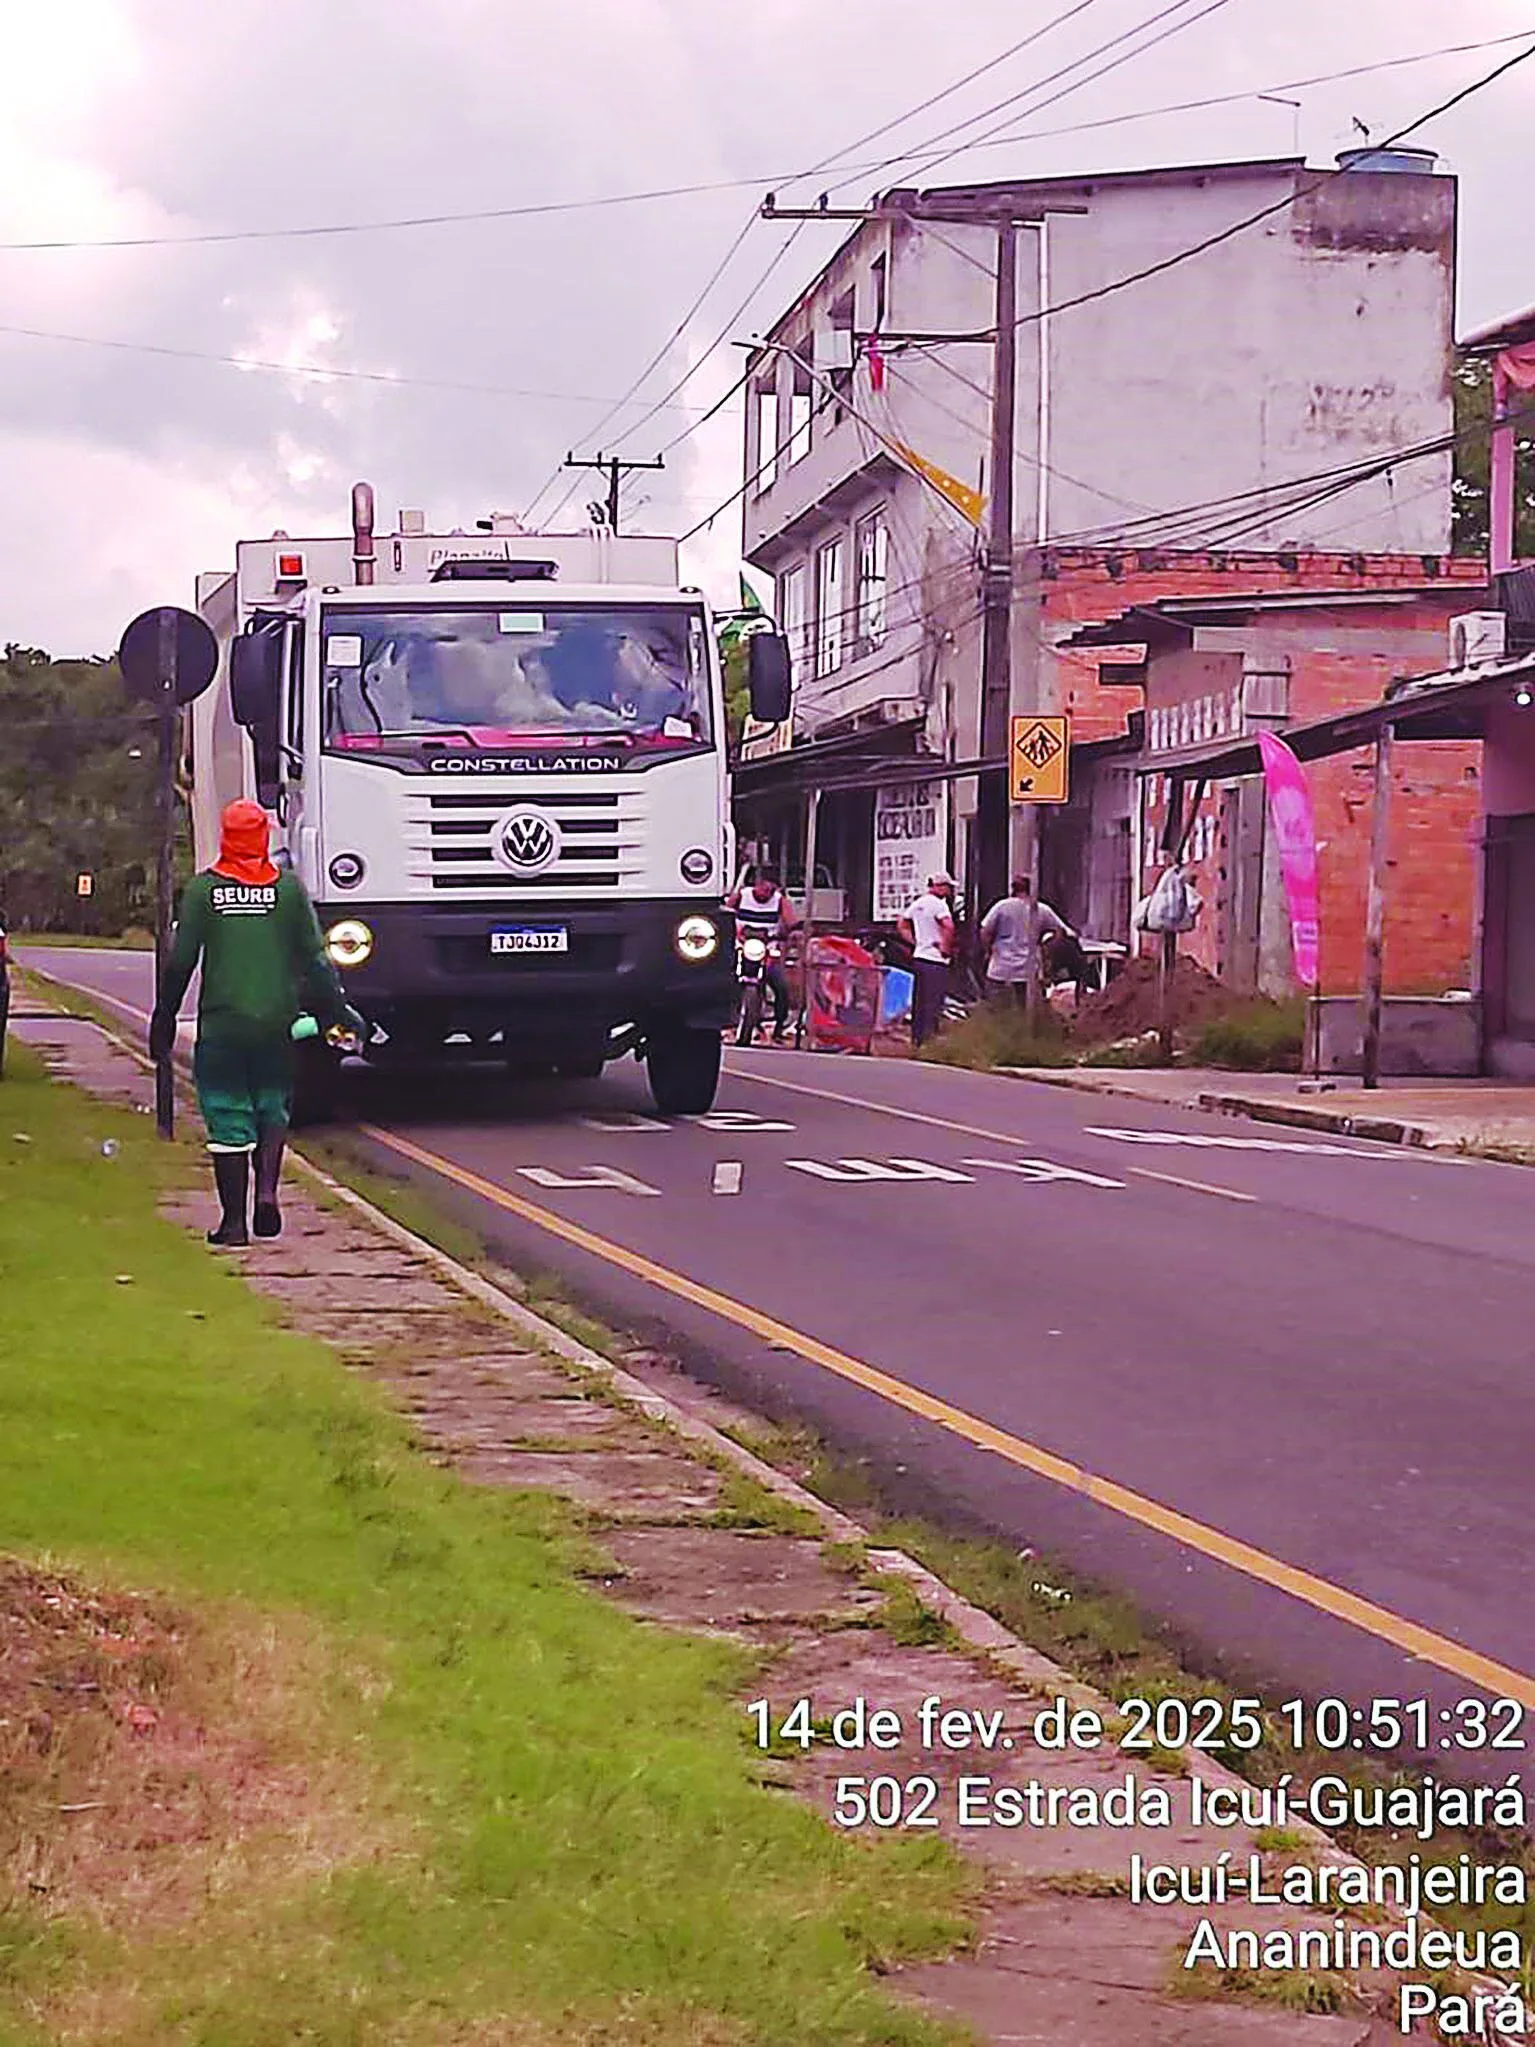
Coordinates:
(750, 601)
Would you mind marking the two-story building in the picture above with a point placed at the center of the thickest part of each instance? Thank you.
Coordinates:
(1216, 402)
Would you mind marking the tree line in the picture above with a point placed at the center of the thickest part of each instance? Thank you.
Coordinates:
(77, 796)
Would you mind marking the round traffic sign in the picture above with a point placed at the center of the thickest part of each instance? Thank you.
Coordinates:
(169, 654)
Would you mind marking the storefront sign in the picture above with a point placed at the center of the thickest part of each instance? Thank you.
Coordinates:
(910, 844)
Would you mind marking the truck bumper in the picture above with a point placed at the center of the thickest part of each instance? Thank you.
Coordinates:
(432, 974)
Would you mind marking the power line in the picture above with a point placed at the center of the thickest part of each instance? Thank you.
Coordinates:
(923, 151)
(659, 357)
(318, 372)
(601, 201)
(1303, 191)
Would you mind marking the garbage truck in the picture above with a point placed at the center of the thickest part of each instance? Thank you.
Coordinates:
(497, 761)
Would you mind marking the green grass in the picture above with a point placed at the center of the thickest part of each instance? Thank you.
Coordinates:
(587, 1856)
(1257, 1037)
(995, 1036)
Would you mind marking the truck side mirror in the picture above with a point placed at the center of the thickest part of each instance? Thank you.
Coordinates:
(255, 680)
(255, 698)
(769, 677)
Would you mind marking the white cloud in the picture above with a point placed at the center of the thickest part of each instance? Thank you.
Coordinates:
(126, 474)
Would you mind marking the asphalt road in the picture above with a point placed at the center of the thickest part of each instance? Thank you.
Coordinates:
(1279, 1388)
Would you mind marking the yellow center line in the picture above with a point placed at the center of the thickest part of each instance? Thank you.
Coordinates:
(1378, 1621)
(1195, 1186)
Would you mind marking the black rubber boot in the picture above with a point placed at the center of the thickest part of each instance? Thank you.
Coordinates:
(231, 1175)
(267, 1220)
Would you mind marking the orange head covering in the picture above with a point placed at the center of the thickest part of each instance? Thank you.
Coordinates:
(244, 845)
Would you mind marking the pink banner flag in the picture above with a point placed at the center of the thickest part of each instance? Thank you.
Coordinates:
(1295, 831)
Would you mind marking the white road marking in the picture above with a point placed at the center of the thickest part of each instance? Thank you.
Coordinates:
(1194, 1186)
(589, 1176)
(727, 1177)
(879, 1169)
(732, 1121)
(1044, 1171)
(620, 1120)
(1200, 1141)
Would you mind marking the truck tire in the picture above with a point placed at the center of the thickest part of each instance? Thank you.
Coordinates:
(683, 1067)
(316, 1085)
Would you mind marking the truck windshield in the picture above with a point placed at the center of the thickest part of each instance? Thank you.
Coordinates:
(463, 676)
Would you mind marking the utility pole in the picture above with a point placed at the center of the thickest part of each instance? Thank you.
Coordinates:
(989, 883)
(993, 812)
(614, 468)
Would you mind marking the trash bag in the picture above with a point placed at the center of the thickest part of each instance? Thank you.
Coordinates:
(1172, 905)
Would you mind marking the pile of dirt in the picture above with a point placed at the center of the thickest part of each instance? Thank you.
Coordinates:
(1131, 1004)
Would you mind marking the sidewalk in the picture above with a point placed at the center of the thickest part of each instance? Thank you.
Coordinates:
(698, 1535)
(1488, 1118)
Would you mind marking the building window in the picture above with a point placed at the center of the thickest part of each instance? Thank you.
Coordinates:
(841, 374)
(801, 406)
(791, 614)
(872, 550)
(767, 436)
(828, 608)
(879, 277)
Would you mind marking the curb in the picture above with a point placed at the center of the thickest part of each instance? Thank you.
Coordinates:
(1256, 1109)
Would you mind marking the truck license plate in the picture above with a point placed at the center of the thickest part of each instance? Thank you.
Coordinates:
(528, 938)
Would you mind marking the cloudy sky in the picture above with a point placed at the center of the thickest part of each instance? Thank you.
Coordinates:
(126, 471)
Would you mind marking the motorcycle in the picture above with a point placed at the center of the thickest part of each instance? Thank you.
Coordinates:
(754, 956)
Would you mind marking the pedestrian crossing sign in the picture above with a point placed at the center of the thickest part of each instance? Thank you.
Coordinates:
(1038, 755)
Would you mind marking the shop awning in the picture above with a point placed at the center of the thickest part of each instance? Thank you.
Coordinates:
(1449, 706)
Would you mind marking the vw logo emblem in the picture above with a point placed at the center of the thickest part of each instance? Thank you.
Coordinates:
(527, 841)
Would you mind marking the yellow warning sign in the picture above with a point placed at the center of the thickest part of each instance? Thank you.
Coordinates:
(1038, 755)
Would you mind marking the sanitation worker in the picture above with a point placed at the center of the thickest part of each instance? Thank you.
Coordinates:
(254, 929)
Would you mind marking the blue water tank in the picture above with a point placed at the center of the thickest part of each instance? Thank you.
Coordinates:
(1421, 162)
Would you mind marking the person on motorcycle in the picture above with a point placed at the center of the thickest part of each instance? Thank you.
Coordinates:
(762, 910)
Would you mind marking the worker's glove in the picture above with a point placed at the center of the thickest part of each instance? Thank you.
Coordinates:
(162, 1034)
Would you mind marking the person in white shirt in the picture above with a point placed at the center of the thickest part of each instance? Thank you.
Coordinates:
(928, 928)
(1010, 934)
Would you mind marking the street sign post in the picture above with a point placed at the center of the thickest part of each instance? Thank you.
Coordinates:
(1039, 758)
(168, 657)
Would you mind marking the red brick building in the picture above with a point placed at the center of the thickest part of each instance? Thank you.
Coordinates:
(1207, 648)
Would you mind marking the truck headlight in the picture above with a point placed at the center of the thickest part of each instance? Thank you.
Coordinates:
(697, 939)
(349, 943)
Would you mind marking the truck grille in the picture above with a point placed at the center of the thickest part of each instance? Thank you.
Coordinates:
(453, 843)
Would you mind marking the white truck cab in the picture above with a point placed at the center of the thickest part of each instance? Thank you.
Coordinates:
(497, 762)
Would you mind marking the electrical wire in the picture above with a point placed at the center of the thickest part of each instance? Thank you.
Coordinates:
(601, 201)
(923, 150)
(1303, 191)
(659, 357)
(317, 372)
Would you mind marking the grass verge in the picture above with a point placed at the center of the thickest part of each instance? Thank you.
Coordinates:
(559, 1832)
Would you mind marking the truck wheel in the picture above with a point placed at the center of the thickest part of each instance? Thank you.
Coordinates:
(316, 1085)
(684, 1071)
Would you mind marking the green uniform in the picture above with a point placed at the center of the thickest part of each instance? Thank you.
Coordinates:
(263, 964)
